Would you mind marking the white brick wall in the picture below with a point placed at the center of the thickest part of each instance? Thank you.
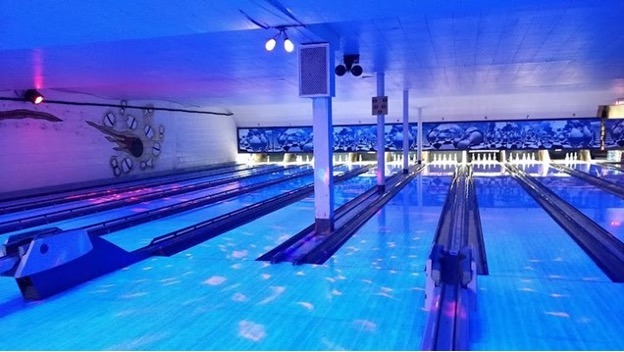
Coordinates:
(39, 153)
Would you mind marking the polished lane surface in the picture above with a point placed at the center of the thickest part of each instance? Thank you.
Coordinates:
(543, 291)
(129, 210)
(215, 296)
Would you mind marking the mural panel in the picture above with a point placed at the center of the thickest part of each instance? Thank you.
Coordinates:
(514, 134)
(347, 138)
(533, 134)
(614, 133)
(275, 140)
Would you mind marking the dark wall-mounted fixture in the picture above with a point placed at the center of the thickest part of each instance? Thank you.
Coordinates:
(350, 64)
(33, 96)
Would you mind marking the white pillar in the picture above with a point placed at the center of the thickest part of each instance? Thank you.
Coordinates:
(420, 135)
(406, 131)
(323, 143)
(381, 145)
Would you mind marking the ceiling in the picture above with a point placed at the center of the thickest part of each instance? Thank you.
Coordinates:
(210, 54)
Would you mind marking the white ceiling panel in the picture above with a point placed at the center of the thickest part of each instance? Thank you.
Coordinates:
(207, 53)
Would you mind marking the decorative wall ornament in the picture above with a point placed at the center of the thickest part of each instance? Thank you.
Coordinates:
(136, 140)
(28, 114)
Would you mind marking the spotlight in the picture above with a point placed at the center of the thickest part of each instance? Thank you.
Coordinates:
(288, 44)
(340, 70)
(270, 44)
(350, 65)
(33, 96)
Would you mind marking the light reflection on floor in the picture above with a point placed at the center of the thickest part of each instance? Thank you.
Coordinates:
(543, 292)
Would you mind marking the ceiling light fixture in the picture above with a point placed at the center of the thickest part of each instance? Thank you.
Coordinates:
(350, 65)
(270, 44)
(33, 96)
(289, 46)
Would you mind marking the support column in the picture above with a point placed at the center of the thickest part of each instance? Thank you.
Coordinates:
(406, 131)
(420, 135)
(323, 143)
(381, 145)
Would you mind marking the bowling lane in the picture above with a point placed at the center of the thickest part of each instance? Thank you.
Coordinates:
(522, 240)
(141, 235)
(132, 209)
(116, 186)
(601, 171)
(260, 236)
(115, 196)
(606, 209)
(381, 266)
(534, 263)
(199, 300)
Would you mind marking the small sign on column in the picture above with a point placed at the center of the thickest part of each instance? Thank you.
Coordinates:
(380, 105)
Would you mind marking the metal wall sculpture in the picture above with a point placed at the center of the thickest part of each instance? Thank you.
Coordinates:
(137, 139)
(27, 114)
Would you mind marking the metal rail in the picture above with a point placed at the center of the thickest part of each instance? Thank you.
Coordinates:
(450, 290)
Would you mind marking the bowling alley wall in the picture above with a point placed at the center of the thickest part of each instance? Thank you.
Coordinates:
(50, 145)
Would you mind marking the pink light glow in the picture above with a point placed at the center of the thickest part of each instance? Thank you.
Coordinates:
(323, 174)
(37, 64)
